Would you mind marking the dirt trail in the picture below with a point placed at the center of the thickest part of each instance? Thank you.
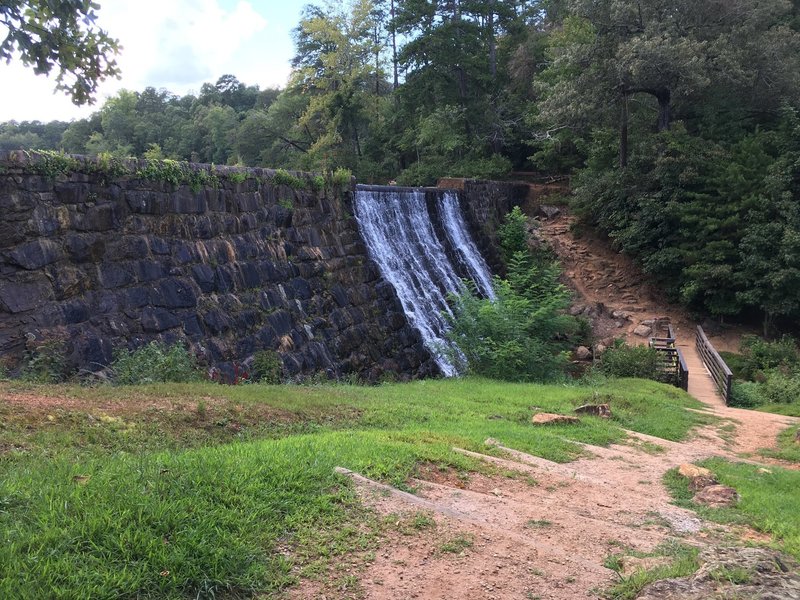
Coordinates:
(514, 538)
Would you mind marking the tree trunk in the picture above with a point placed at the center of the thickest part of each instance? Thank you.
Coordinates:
(664, 116)
(394, 47)
(623, 133)
(492, 42)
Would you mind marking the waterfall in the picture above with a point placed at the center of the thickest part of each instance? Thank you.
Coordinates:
(458, 235)
(401, 238)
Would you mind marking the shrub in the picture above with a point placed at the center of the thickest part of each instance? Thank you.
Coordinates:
(46, 363)
(342, 177)
(513, 234)
(631, 361)
(780, 388)
(154, 363)
(283, 177)
(267, 367)
(317, 183)
(745, 394)
(52, 163)
(511, 338)
(760, 356)
(237, 177)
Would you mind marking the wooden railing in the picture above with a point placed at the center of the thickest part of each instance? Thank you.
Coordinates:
(720, 372)
(673, 363)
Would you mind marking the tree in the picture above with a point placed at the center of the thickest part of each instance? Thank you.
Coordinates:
(672, 51)
(61, 35)
(335, 66)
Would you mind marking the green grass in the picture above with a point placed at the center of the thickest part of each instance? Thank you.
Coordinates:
(788, 448)
(683, 562)
(158, 496)
(199, 414)
(791, 409)
(769, 502)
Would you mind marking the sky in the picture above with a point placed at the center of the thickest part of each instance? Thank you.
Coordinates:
(172, 44)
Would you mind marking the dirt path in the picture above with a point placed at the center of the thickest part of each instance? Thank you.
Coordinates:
(546, 535)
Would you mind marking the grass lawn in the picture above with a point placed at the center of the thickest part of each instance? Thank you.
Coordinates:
(200, 490)
(788, 448)
(770, 502)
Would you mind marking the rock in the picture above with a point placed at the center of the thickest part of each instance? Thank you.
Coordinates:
(764, 471)
(699, 477)
(553, 419)
(599, 349)
(549, 212)
(632, 564)
(698, 483)
(576, 310)
(598, 410)
(717, 496)
(643, 330)
(691, 471)
(761, 573)
(621, 314)
(583, 353)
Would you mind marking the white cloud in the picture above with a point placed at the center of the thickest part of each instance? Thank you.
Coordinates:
(175, 44)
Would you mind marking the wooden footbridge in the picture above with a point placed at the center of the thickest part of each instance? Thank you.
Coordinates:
(710, 379)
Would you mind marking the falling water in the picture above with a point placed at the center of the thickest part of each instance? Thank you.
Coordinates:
(401, 239)
(458, 235)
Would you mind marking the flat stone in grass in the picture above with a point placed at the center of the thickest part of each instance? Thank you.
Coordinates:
(699, 477)
(716, 496)
(598, 410)
(553, 419)
(691, 471)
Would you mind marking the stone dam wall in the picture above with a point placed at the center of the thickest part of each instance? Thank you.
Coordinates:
(103, 256)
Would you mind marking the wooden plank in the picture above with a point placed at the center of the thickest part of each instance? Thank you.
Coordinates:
(719, 371)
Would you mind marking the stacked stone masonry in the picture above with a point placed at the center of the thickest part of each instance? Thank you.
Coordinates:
(106, 263)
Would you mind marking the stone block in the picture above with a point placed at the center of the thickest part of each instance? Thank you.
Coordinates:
(36, 254)
(26, 294)
(113, 275)
(84, 247)
(156, 320)
(173, 293)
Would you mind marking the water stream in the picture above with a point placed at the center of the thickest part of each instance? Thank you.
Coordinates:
(401, 238)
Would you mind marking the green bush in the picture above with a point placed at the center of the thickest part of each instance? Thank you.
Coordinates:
(513, 234)
(760, 356)
(267, 367)
(317, 183)
(780, 388)
(342, 177)
(46, 363)
(745, 394)
(632, 361)
(283, 177)
(154, 363)
(237, 177)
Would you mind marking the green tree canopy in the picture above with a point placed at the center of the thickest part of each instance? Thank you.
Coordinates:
(60, 36)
